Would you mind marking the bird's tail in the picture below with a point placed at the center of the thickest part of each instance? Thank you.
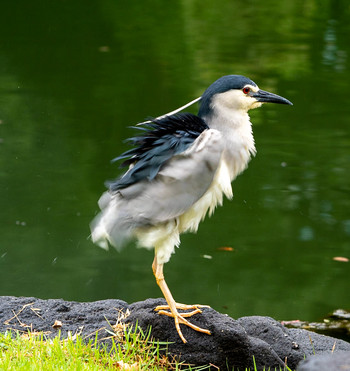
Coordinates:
(110, 226)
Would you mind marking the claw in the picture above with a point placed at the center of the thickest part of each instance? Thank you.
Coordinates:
(182, 307)
(169, 314)
(171, 310)
(180, 318)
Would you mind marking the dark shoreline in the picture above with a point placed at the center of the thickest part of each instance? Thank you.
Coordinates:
(233, 342)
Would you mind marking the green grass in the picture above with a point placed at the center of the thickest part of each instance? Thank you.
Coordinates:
(134, 350)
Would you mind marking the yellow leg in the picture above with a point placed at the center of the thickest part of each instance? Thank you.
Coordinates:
(171, 309)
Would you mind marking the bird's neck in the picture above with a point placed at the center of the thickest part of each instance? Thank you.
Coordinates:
(236, 129)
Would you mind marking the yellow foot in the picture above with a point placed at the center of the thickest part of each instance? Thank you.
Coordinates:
(165, 309)
(180, 317)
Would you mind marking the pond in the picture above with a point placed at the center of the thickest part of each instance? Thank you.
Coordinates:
(75, 75)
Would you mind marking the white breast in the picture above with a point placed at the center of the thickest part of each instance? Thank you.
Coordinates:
(220, 186)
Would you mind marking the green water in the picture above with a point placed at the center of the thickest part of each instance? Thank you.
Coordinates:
(75, 75)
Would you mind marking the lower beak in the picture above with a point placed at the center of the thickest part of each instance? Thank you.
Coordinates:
(266, 97)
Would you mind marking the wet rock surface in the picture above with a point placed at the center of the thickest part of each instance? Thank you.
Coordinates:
(335, 324)
(232, 343)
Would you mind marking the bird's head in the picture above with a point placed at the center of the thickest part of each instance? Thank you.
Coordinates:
(235, 92)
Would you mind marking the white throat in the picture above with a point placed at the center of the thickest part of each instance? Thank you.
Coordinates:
(236, 128)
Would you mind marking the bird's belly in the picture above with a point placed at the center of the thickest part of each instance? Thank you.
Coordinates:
(221, 185)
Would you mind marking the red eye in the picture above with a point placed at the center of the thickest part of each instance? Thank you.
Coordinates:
(246, 90)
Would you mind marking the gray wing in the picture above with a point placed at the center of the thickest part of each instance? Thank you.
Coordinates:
(181, 182)
(178, 185)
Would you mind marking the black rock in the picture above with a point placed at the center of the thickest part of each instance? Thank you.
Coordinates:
(232, 343)
(34, 314)
(228, 342)
(272, 334)
(291, 345)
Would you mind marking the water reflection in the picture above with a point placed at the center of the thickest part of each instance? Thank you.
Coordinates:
(332, 55)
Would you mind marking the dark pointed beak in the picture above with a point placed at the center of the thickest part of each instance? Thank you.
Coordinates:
(266, 97)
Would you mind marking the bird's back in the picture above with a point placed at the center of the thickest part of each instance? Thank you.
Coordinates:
(160, 140)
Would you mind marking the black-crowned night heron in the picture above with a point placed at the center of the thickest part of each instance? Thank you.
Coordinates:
(178, 171)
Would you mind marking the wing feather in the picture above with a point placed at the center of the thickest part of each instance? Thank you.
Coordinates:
(161, 140)
(178, 185)
(160, 186)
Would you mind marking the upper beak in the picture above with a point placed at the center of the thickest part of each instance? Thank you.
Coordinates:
(266, 97)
